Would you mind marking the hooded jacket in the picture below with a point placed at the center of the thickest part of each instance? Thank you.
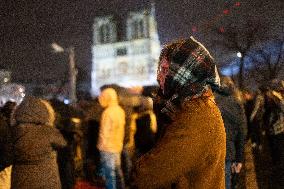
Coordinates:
(112, 123)
(35, 141)
(191, 150)
(191, 154)
(235, 123)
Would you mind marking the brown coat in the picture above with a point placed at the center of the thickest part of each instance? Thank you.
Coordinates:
(191, 154)
(34, 148)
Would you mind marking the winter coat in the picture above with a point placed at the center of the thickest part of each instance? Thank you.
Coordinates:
(190, 154)
(235, 123)
(5, 172)
(274, 113)
(4, 141)
(5, 144)
(111, 132)
(35, 141)
(143, 128)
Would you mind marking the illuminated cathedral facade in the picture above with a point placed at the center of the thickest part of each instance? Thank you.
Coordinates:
(125, 56)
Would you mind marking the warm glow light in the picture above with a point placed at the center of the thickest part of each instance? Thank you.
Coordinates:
(237, 4)
(75, 120)
(136, 90)
(21, 90)
(57, 48)
(226, 11)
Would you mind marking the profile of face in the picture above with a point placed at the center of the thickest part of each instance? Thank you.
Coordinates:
(107, 97)
(163, 71)
(103, 99)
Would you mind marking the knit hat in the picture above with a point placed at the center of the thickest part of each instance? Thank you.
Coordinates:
(35, 110)
(192, 72)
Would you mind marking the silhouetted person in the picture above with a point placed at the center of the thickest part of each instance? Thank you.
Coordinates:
(5, 144)
(235, 123)
(35, 141)
(111, 136)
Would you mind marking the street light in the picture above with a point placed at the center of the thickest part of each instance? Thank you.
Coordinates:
(72, 70)
(6, 80)
(239, 54)
(57, 48)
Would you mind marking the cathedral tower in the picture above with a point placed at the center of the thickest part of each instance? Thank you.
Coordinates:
(125, 56)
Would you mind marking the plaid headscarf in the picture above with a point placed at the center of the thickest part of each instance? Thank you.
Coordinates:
(191, 71)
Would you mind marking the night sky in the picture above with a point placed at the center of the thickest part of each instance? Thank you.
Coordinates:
(29, 27)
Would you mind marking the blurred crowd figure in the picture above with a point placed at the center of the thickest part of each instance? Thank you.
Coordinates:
(5, 138)
(32, 148)
(39, 148)
(70, 157)
(110, 141)
(234, 118)
(265, 114)
(143, 127)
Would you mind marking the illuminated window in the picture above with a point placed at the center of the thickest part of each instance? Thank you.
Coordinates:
(123, 68)
(141, 70)
(139, 49)
(104, 73)
(105, 33)
(138, 29)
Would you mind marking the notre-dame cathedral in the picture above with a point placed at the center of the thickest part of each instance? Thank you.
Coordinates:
(125, 51)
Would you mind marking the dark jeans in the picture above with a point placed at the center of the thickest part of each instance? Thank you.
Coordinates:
(228, 174)
(110, 169)
(126, 165)
(276, 143)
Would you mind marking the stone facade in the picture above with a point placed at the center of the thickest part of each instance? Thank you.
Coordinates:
(130, 60)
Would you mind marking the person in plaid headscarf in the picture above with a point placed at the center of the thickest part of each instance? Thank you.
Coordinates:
(191, 150)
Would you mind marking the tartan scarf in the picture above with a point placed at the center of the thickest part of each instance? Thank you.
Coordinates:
(192, 72)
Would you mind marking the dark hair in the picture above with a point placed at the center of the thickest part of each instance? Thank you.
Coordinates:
(8, 108)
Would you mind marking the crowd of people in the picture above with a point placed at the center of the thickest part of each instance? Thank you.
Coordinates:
(191, 133)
